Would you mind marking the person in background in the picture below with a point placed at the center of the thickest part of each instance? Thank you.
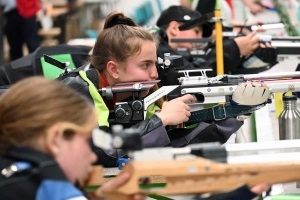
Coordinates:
(254, 6)
(21, 26)
(207, 6)
(229, 22)
(169, 22)
(45, 130)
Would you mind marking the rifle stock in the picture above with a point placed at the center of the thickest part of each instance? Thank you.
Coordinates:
(199, 175)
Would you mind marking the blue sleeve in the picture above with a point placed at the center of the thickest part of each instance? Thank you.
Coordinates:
(58, 190)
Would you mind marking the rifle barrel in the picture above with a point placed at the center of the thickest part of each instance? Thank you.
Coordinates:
(272, 75)
(291, 85)
(192, 40)
(129, 87)
(262, 152)
(289, 38)
(287, 48)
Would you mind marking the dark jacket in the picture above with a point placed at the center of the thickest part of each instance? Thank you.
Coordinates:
(152, 131)
(44, 180)
(231, 51)
(241, 193)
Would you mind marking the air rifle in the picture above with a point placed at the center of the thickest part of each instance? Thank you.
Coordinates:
(205, 168)
(283, 46)
(288, 45)
(263, 57)
(254, 27)
(221, 88)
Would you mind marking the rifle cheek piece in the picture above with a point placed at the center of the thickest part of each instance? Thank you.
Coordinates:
(129, 111)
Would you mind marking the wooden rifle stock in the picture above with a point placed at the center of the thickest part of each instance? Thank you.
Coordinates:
(198, 176)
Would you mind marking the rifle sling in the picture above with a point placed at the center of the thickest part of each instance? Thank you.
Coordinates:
(220, 112)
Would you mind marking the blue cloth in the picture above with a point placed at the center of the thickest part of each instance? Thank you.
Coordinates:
(57, 190)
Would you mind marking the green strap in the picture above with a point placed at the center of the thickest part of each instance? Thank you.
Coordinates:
(98, 101)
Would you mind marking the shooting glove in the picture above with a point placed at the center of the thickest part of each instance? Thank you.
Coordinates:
(261, 57)
(267, 54)
(250, 95)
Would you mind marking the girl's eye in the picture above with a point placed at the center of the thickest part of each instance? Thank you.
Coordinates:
(146, 65)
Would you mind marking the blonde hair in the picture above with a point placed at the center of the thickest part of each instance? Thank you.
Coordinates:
(33, 105)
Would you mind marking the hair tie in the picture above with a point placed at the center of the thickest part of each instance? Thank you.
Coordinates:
(121, 21)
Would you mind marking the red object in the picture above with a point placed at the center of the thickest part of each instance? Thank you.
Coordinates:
(104, 83)
(28, 8)
(231, 6)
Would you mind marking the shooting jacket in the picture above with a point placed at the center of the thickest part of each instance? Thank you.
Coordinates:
(152, 131)
(43, 180)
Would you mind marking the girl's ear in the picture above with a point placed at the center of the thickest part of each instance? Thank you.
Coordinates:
(112, 69)
(173, 28)
(54, 140)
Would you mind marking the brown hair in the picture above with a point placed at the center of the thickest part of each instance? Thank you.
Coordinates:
(120, 39)
(33, 105)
